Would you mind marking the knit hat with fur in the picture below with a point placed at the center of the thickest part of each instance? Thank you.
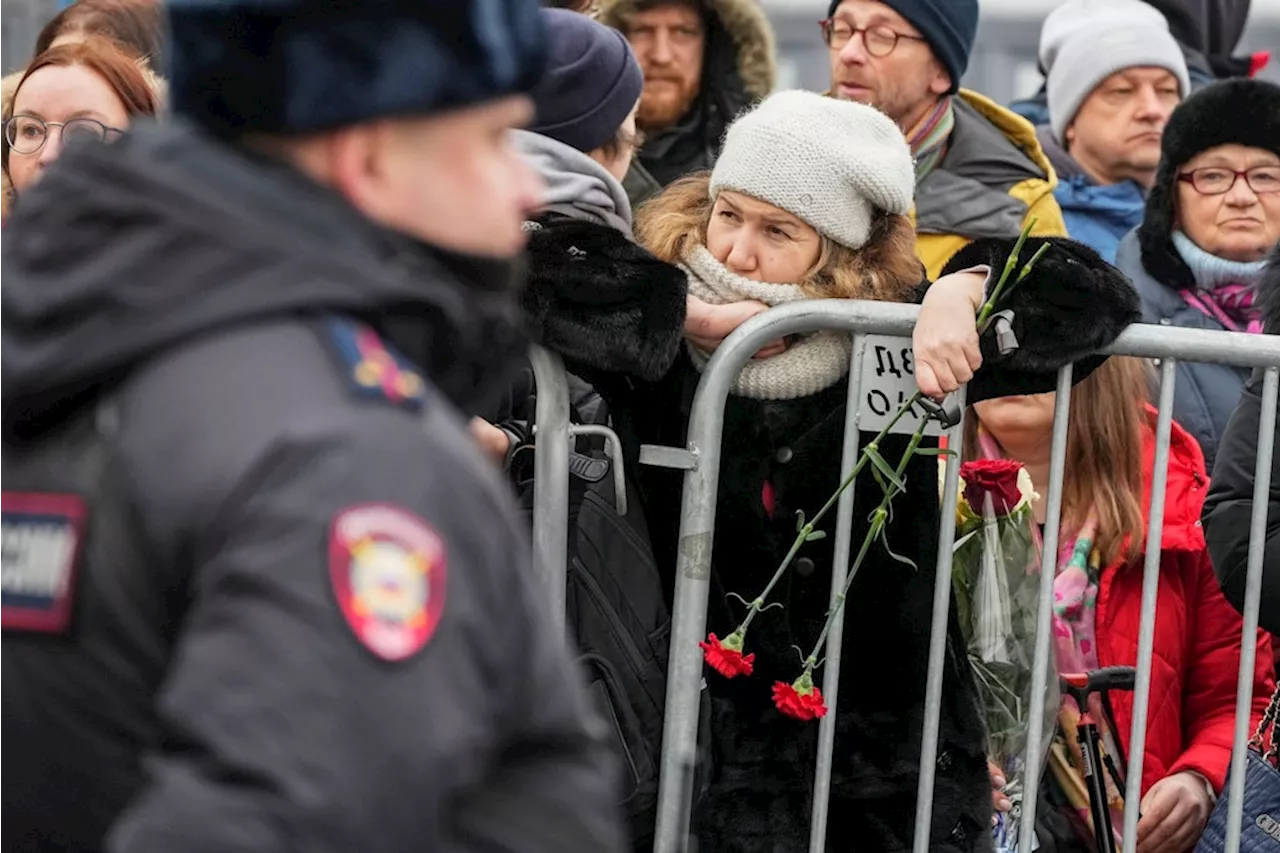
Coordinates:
(1241, 112)
(833, 164)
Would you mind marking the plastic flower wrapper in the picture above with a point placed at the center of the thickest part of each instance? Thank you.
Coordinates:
(995, 574)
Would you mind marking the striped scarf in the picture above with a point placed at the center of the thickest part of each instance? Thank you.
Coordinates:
(1225, 291)
(929, 139)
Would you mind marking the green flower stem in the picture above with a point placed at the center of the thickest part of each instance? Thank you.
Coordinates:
(879, 517)
(757, 605)
(1010, 262)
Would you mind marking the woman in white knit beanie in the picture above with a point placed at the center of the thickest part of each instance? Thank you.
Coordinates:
(811, 199)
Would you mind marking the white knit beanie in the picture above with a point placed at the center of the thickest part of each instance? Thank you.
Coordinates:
(1083, 42)
(831, 163)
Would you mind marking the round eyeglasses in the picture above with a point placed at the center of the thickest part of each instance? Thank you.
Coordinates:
(1217, 180)
(28, 134)
(879, 40)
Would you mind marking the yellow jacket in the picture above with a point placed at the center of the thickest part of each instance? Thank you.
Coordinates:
(993, 178)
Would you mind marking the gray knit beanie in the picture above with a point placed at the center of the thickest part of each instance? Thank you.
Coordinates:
(1083, 42)
(831, 163)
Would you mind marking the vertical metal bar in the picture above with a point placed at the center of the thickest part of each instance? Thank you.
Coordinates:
(551, 475)
(938, 637)
(839, 574)
(1147, 625)
(1252, 602)
(689, 616)
(1044, 609)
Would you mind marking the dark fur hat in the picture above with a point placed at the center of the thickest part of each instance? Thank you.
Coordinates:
(601, 301)
(1071, 305)
(1243, 112)
(298, 66)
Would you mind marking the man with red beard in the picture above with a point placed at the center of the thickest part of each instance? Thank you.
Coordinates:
(979, 170)
(704, 61)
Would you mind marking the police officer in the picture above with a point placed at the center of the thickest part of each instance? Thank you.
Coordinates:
(260, 591)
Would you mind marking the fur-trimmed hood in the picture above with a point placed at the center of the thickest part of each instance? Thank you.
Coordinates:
(8, 86)
(746, 25)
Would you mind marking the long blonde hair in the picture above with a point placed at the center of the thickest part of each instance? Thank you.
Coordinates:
(886, 268)
(1105, 439)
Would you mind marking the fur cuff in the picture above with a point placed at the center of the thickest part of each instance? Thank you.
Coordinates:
(1071, 305)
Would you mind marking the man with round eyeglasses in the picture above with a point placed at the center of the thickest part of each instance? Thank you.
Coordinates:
(979, 170)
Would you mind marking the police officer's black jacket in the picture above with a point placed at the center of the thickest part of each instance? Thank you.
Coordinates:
(166, 362)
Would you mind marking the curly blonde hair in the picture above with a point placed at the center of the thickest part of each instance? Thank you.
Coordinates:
(885, 269)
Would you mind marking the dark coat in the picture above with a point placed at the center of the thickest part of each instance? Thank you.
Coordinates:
(1229, 505)
(168, 356)
(759, 799)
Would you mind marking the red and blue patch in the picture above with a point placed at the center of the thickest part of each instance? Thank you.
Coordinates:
(42, 538)
(372, 368)
(388, 570)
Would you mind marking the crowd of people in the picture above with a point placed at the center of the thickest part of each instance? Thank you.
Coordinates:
(268, 411)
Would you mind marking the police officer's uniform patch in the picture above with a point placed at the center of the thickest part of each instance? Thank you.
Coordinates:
(388, 572)
(42, 534)
(371, 368)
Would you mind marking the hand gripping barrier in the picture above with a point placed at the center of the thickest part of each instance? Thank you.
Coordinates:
(701, 462)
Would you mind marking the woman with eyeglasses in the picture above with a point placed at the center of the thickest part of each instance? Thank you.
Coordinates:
(71, 94)
(1212, 217)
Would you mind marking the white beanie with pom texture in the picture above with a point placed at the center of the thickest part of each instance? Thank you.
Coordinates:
(831, 163)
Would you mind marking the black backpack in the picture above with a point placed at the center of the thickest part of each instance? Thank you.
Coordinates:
(615, 609)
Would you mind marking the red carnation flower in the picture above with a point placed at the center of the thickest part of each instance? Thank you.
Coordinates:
(799, 699)
(726, 657)
(995, 477)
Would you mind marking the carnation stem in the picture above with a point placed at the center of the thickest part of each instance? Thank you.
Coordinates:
(878, 519)
(757, 605)
(880, 515)
(1010, 263)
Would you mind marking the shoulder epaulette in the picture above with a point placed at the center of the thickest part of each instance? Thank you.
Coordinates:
(372, 368)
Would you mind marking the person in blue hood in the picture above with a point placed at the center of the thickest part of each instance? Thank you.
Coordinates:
(1114, 76)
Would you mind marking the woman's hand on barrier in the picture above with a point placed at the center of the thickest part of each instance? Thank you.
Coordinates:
(493, 442)
(945, 342)
(706, 325)
(1174, 813)
(999, 801)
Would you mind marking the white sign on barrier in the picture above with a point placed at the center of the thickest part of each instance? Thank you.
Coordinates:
(888, 381)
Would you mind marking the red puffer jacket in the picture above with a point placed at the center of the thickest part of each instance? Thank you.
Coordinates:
(1191, 712)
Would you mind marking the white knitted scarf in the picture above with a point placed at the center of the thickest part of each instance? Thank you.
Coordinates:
(814, 363)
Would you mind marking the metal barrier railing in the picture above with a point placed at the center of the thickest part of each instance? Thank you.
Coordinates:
(551, 471)
(701, 461)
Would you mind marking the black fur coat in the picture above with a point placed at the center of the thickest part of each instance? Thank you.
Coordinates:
(759, 800)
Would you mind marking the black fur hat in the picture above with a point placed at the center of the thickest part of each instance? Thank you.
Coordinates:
(1072, 304)
(297, 66)
(1241, 112)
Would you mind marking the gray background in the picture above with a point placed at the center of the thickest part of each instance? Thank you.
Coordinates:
(1003, 64)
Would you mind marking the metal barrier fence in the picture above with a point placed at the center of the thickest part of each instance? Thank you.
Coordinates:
(701, 461)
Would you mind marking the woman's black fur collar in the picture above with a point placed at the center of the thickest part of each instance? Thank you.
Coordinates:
(602, 301)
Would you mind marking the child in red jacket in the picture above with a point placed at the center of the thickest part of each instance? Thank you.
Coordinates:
(1098, 595)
